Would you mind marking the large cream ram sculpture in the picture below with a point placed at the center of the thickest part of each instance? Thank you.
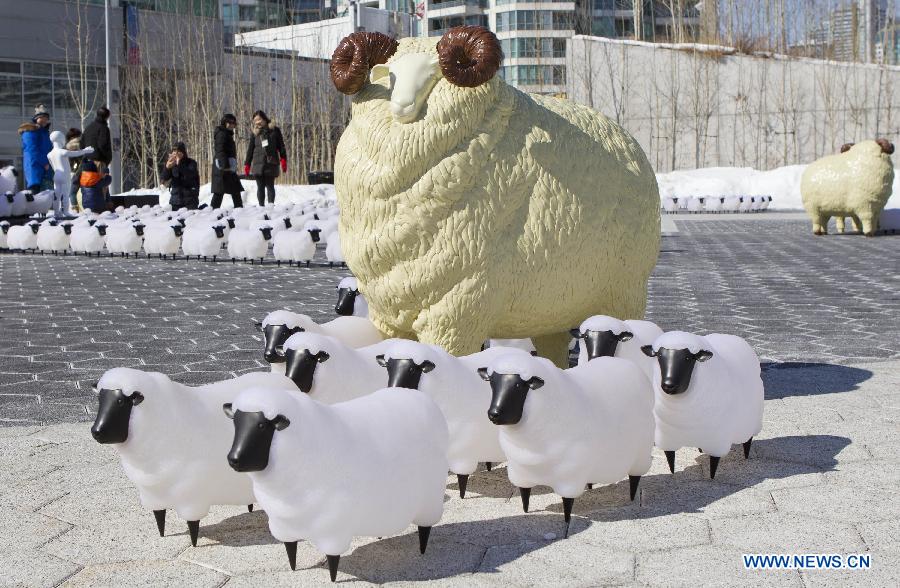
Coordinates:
(471, 210)
(855, 183)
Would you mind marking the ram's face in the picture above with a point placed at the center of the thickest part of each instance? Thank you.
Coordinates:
(466, 56)
(114, 415)
(253, 434)
(676, 367)
(412, 77)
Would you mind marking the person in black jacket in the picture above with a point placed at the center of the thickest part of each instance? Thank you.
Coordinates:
(264, 154)
(224, 170)
(183, 176)
(96, 135)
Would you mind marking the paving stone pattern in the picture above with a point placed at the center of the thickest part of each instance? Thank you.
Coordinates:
(822, 477)
(65, 320)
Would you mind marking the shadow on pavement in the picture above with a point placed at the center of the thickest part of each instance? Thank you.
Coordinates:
(784, 379)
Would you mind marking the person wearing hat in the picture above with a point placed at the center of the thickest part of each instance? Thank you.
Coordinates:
(224, 170)
(36, 145)
(183, 177)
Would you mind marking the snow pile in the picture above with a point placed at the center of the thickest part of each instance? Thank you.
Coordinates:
(284, 194)
(782, 183)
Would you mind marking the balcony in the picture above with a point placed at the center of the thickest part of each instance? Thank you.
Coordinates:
(478, 4)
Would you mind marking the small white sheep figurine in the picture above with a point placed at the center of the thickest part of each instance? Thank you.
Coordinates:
(709, 394)
(606, 336)
(352, 331)
(4, 230)
(249, 243)
(327, 473)
(124, 238)
(453, 383)
(163, 239)
(171, 439)
(88, 238)
(350, 301)
(23, 237)
(54, 237)
(330, 371)
(204, 240)
(295, 246)
(569, 428)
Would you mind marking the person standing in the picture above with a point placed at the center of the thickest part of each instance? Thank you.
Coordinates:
(73, 143)
(183, 176)
(224, 170)
(264, 154)
(96, 135)
(36, 145)
(93, 182)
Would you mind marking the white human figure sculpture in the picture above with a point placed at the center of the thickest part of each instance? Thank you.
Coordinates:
(62, 171)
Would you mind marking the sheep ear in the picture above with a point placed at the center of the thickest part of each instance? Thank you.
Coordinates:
(427, 366)
(576, 333)
(281, 422)
(625, 336)
(483, 372)
(229, 412)
(322, 357)
(703, 355)
(648, 350)
(535, 382)
(136, 398)
(378, 72)
(380, 359)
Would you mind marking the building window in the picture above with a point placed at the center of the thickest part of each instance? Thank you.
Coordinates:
(11, 96)
(534, 20)
(534, 47)
(534, 75)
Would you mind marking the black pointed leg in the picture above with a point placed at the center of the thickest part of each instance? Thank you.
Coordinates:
(333, 561)
(194, 530)
(633, 482)
(160, 516)
(747, 445)
(291, 548)
(567, 513)
(249, 508)
(463, 481)
(670, 457)
(525, 493)
(488, 465)
(424, 533)
(713, 465)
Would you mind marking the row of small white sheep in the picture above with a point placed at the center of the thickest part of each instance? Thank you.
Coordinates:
(312, 440)
(735, 203)
(292, 232)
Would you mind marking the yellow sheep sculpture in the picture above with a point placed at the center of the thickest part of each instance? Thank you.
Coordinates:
(857, 183)
(471, 210)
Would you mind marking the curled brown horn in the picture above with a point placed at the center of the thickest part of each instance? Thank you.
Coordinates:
(469, 55)
(355, 55)
(886, 146)
(846, 147)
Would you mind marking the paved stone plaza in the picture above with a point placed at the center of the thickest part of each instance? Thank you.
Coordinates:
(822, 477)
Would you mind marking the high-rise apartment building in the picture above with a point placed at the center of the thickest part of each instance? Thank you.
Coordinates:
(240, 16)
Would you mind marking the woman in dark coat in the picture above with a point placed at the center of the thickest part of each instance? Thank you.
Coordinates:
(183, 177)
(264, 154)
(224, 170)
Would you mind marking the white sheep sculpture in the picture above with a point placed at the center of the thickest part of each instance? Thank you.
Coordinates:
(163, 239)
(278, 325)
(171, 439)
(23, 237)
(600, 336)
(471, 210)
(570, 428)
(204, 240)
(330, 371)
(455, 386)
(54, 237)
(350, 300)
(709, 394)
(326, 473)
(855, 183)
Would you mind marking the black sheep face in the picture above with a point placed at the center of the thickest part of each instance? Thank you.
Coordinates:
(275, 336)
(266, 232)
(177, 229)
(67, 229)
(300, 366)
(114, 415)
(101, 229)
(139, 229)
(10, 197)
(601, 343)
(29, 196)
(404, 373)
(4, 228)
(508, 395)
(314, 234)
(676, 367)
(346, 301)
(220, 231)
(34, 227)
(287, 223)
(253, 434)
(231, 223)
